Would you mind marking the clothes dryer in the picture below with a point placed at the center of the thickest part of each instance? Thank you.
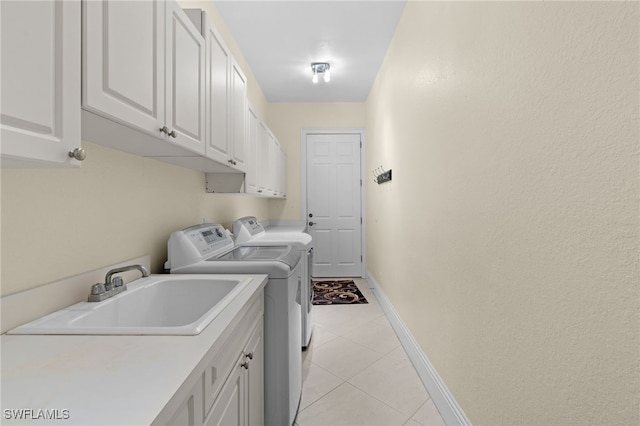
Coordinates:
(248, 230)
(209, 249)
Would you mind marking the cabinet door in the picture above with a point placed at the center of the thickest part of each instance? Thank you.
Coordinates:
(273, 165)
(282, 173)
(229, 407)
(263, 159)
(238, 117)
(40, 104)
(185, 84)
(218, 68)
(190, 411)
(255, 376)
(251, 176)
(124, 62)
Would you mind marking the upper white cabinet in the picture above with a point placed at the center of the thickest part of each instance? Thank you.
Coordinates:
(265, 186)
(267, 163)
(143, 67)
(238, 121)
(40, 104)
(123, 62)
(185, 84)
(251, 176)
(282, 174)
(226, 98)
(217, 76)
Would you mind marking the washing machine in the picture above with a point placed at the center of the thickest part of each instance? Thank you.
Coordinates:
(248, 230)
(210, 249)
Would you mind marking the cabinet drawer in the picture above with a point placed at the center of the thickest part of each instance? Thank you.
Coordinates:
(224, 359)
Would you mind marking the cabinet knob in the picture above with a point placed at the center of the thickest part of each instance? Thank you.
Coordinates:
(164, 129)
(78, 153)
(173, 134)
(245, 365)
(311, 223)
(249, 355)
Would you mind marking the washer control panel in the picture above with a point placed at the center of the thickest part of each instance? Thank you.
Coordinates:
(208, 238)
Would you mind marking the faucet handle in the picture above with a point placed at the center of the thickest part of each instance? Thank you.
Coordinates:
(98, 288)
(117, 282)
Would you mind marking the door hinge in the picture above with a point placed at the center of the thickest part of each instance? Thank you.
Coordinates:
(360, 259)
(360, 182)
(360, 221)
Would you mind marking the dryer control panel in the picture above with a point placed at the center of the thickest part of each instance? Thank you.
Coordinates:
(247, 227)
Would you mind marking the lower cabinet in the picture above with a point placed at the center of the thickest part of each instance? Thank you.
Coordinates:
(229, 382)
(240, 401)
(254, 377)
(190, 411)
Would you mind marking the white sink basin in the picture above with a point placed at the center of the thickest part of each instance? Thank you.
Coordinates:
(156, 305)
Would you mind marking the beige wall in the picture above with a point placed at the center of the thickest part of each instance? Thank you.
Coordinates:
(287, 120)
(117, 206)
(512, 132)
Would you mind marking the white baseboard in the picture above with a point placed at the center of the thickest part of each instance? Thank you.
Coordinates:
(448, 407)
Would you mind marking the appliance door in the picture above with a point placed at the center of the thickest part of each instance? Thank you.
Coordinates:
(307, 300)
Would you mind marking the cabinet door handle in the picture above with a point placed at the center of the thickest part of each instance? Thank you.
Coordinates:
(173, 134)
(249, 355)
(78, 153)
(245, 365)
(164, 129)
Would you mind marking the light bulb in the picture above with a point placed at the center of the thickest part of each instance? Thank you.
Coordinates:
(327, 76)
(315, 78)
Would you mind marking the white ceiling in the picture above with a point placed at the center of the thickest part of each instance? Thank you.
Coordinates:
(280, 39)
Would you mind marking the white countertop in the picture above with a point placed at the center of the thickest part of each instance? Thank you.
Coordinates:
(104, 380)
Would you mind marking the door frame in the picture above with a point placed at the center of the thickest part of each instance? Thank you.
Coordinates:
(303, 175)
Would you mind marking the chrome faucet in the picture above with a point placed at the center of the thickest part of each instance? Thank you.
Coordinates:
(113, 286)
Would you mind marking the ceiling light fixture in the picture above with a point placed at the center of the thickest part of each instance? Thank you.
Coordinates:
(321, 68)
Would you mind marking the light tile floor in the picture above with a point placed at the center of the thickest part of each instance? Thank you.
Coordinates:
(355, 371)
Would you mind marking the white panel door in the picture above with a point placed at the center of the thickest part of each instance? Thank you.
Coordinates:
(40, 104)
(218, 69)
(185, 85)
(333, 203)
(123, 68)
